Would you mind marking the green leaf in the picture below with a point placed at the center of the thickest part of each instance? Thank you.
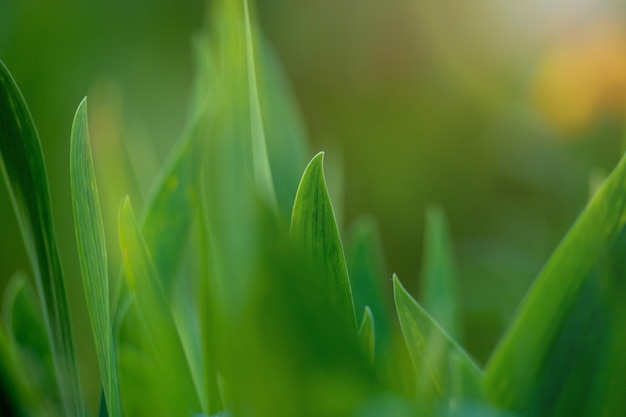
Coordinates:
(13, 393)
(313, 224)
(30, 347)
(93, 255)
(439, 278)
(25, 325)
(367, 272)
(167, 220)
(155, 314)
(284, 130)
(367, 333)
(260, 159)
(563, 354)
(24, 170)
(442, 368)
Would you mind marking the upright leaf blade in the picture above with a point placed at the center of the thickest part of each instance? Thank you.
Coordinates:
(284, 133)
(438, 360)
(367, 272)
(24, 170)
(93, 255)
(313, 224)
(560, 356)
(440, 292)
(260, 158)
(367, 333)
(155, 314)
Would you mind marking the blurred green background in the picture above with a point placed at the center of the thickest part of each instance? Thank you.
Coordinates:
(503, 112)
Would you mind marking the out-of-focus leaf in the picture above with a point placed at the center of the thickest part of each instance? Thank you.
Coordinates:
(13, 398)
(25, 324)
(563, 354)
(284, 130)
(167, 220)
(439, 278)
(313, 224)
(24, 170)
(93, 255)
(262, 171)
(366, 267)
(27, 334)
(367, 333)
(155, 315)
(440, 363)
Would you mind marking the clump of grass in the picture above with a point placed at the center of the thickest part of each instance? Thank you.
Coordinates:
(263, 316)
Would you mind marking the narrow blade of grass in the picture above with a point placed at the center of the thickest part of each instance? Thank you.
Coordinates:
(438, 360)
(367, 333)
(92, 254)
(561, 355)
(284, 130)
(366, 269)
(24, 170)
(313, 224)
(260, 159)
(439, 278)
(155, 313)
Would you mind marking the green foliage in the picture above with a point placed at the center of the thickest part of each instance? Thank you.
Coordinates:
(561, 355)
(236, 299)
(24, 170)
(445, 374)
(441, 295)
(92, 255)
(313, 223)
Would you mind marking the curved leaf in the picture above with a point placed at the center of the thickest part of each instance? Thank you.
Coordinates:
(93, 255)
(440, 363)
(24, 170)
(313, 224)
(563, 354)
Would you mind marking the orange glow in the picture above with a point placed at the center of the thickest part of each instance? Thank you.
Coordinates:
(583, 77)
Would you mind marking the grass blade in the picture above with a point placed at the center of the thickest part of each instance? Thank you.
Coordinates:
(563, 354)
(93, 255)
(260, 159)
(367, 333)
(438, 360)
(366, 269)
(313, 224)
(155, 314)
(284, 130)
(440, 292)
(24, 170)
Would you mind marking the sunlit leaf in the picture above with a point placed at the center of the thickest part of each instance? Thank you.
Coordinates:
(313, 224)
(24, 170)
(563, 354)
(439, 278)
(92, 254)
(440, 363)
